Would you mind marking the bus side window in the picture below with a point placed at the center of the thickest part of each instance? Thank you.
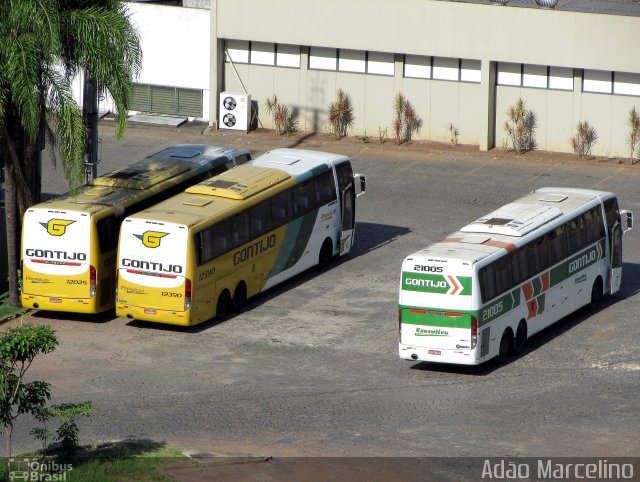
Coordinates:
(221, 237)
(557, 244)
(594, 224)
(260, 219)
(204, 246)
(325, 188)
(577, 235)
(504, 280)
(239, 229)
(281, 209)
(107, 234)
(519, 266)
(303, 198)
(488, 282)
(537, 256)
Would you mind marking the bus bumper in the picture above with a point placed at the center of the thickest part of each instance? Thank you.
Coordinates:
(458, 357)
(68, 305)
(180, 318)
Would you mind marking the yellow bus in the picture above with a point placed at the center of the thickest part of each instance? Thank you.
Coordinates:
(199, 254)
(68, 253)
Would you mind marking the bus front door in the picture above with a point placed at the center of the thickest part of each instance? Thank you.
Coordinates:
(348, 219)
(615, 276)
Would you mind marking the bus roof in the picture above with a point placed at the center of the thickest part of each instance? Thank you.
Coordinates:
(508, 227)
(296, 161)
(228, 190)
(125, 186)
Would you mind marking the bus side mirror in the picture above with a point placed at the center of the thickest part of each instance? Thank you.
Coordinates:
(629, 216)
(360, 182)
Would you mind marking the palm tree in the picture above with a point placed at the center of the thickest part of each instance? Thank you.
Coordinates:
(45, 45)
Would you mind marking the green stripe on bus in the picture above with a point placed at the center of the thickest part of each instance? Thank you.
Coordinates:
(424, 317)
(295, 241)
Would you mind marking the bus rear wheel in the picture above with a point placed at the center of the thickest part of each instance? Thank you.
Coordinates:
(596, 293)
(505, 346)
(520, 340)
(224, 301)
(240, 296)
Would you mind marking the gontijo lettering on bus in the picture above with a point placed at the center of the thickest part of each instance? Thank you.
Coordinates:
(436, 283)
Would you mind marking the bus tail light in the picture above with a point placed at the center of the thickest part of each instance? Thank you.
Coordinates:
(92, 281)
(400, 321)
(474, 332)
(187, 294)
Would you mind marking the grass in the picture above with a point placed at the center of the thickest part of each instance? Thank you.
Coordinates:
(6, 310)
(111, 462)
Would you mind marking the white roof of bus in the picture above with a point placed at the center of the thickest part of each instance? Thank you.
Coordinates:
(508, 226)
(295, 161)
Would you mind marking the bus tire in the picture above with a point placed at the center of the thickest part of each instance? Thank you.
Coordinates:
(326, 253)
(505, 346)
(240, 296)
(596, 293)
(520, 340)
(224, 301)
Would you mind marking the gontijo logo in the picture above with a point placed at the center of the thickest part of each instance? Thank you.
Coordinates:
(151, 239)
(56, 227)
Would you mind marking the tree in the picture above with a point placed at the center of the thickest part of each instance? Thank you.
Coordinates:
(18, 347)
(45, 45)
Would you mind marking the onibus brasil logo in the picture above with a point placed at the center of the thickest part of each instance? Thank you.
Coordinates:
(151, 239)
(56, 227)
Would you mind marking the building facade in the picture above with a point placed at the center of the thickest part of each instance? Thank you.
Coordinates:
(460, 64)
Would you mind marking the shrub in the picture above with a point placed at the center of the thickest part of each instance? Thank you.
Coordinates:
(283, 117)
(520, 126)
(633, 140)
(406, 121)
(584, 140)
(454, 135)
(340, 114)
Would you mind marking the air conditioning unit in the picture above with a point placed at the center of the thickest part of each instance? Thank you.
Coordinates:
(235, 111)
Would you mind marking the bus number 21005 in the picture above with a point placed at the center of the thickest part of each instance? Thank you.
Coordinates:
(493, 311)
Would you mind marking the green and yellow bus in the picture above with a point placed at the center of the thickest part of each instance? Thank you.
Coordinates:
(482, 291)
(68, 253)
(199, 254)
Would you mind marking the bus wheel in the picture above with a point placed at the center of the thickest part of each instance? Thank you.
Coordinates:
(596, 293)
(520, 340)
(505, 346)
(224, 300)
(326, 253)
(240, 296)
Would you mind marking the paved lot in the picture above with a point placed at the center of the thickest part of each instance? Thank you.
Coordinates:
(311, 367)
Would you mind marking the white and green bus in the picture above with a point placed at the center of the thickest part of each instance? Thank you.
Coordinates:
(482, 291)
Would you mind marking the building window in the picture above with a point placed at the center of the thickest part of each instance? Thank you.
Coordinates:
(561, 78)
(381, 63)
(509, 74)
(626, 84)
(237, 51)
(288, 56)
(352, 61)
(470, 70)
(446, 68)
(263, 53)
(417, 66)
(598, 81)
(321, 58)
(534, 76)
